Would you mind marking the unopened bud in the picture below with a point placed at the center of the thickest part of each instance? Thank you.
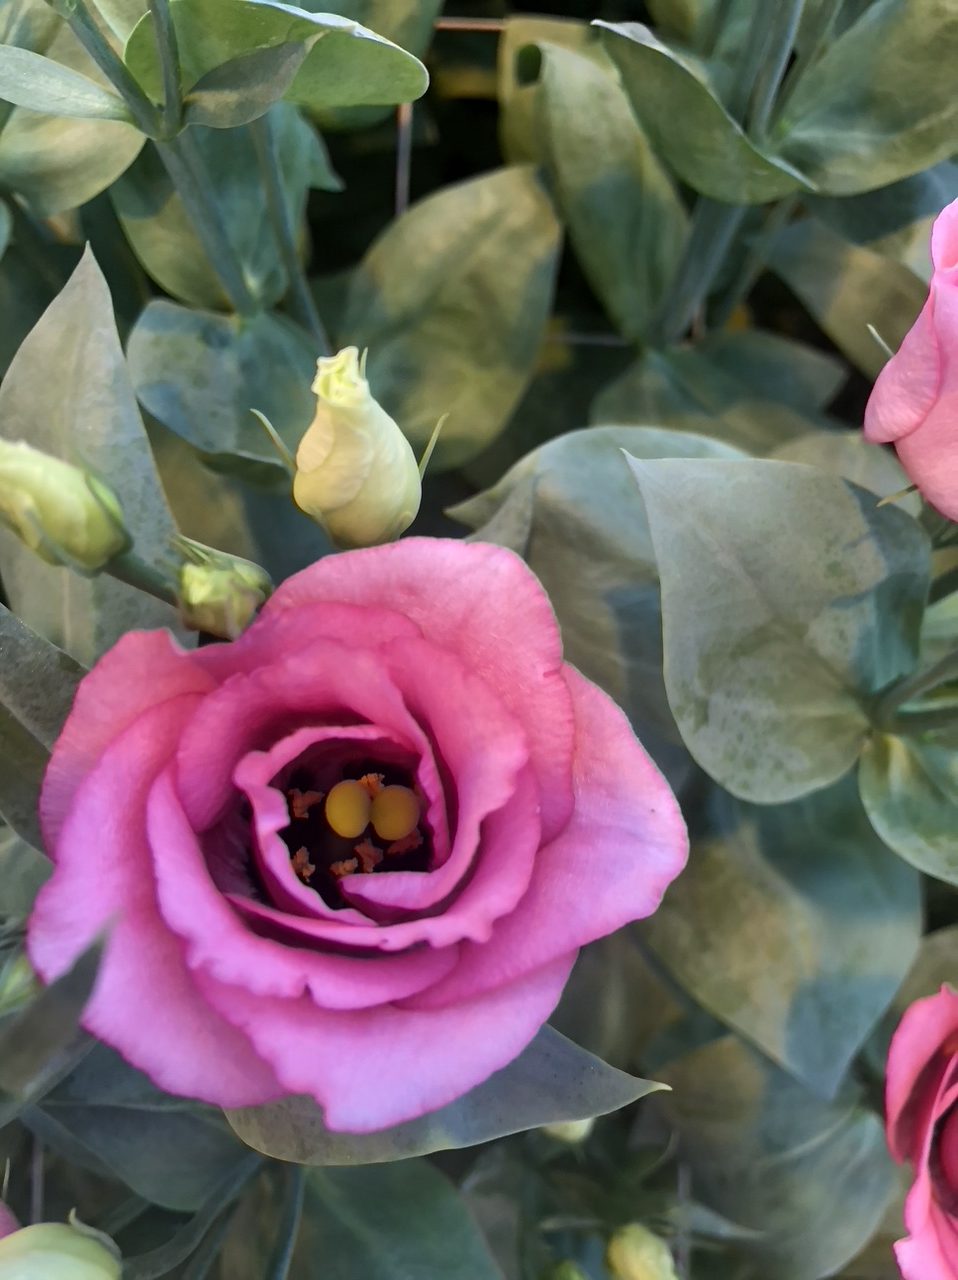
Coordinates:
(568, 1271)
(18, 982)
(571, 1131)
(55, 1251)
(356, 473)
(219, 593)
(63, 513)
(636, 1254)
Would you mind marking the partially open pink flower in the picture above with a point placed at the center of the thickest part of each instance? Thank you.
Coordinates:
(353, 853)
(922, 1119)
(914, 403)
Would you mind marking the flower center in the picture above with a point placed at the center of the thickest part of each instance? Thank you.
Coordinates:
(369, 820)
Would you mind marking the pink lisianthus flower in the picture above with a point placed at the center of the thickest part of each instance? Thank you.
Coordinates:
(922, 1123)
(353, 853)
(914, 403)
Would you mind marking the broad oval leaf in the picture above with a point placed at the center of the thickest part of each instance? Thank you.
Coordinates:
(909, 788)
(244, 88)
(30, 80)
(625, 218)
(452, 301)
(201, 374)
(687, 123)
(347, 65)
(794, 925)
(553, 1080)
(789, 599)
(848, 454)
(879, 104)
(68, 393)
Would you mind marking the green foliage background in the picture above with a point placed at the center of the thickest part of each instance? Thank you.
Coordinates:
(663, 235)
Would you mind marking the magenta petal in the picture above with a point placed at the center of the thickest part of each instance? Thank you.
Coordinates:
(377, 1068)
(143, 669)
(482, 603)
(926, 1025)
(145, 1003)
(327, 682)
(625, 844)
(218, 942)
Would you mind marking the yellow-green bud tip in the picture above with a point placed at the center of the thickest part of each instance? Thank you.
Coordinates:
(356, 473)
(55, 1251)
(63, 513)
(219, 593)
(634, 1253)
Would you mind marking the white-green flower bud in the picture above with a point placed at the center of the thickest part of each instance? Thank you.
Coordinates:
(571, 1131)
(356, 473)
(219, 593)
(636, 1254)
(63, 513)
(55, 1251)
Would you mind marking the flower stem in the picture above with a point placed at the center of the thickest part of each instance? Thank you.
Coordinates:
(187, 169)
(267, 156)
(170, 63)
(84, 26)
(890, 703)
(134, 571)
(783, 27)
(755, 259)
(282, 1256)
(713, 227)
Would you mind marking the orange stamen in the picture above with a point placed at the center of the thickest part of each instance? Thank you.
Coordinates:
(300, 802)
(406, 844)
(344, 868)
(368, 855)
(302, 865)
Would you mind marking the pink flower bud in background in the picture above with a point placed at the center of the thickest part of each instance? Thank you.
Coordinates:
(914, 403)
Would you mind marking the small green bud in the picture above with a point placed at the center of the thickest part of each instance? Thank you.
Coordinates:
(55, 1251)
(571, 1131)
(569, 1271)
(634, 1253)
(356, 473)
(63, 513)
(18, 982)
(219, 593)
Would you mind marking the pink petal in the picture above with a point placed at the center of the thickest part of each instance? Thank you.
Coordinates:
(484, 749)
(482, 603)
(625, 844)
(930, 454)
(916, 1069)
(327, 682)
(219, 943)
(142, 670)
(907, 387)
(379, 1067)
(944, 239)
(145, 1003)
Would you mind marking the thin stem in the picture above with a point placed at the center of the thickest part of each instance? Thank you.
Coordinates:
(899, 695)
(288, 1231)
(755, 259)
(86, 30)
(752, 60)
(170, 63)
(786, 16)
(267, 156)
(185, 165)
(129, 568)
(909, 723)
(818, 34)
(713, 227)
(36, 1181)
(403, 155)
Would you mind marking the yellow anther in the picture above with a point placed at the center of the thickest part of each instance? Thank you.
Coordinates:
(395, 812)
(347, 809)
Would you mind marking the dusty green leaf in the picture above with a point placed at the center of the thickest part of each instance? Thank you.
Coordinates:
(23, 872)
(788, 601)
(846, 288)
(6, 225)
(200, 374)
(813, 1178)
(687, 124)
(685, 389)
(569, 509)
(552, 1080)
(776, 368)
(54, 162)
(519, 93)
(30, 80)
(347, 65)
(625, 219)
(68, 393)
(244, 88)
(161, 233)
(452, 302)
(37, 684)
(909, 788)
(794, 925)
(848, 454)
(880, 103)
